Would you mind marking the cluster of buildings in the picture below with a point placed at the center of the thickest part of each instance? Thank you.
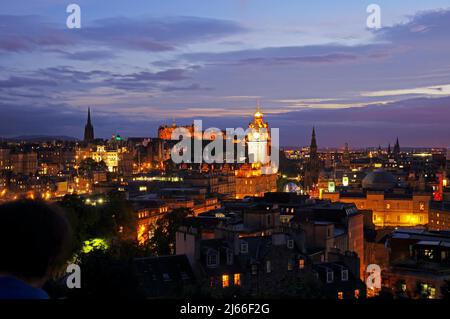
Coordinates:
(313, 226)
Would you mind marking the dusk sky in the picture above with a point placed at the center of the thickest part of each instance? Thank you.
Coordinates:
(139, 64)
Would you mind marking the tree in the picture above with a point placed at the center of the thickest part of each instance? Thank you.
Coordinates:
(114, 219)
(163, 240)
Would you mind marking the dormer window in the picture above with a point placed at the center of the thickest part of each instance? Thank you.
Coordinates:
(212, 259)
(244, 248)
(344, 274)
(330, 276)
(290, 244)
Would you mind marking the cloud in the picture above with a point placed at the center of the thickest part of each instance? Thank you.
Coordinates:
(28, 33)
(91, 55)
(424, 27)
(145, 79)
(18, 81)
(192, 87)
(430, 90)
(312, 54)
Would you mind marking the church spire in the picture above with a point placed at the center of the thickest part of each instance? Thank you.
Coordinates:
(313, 139)
(88, 128)
(397, 147)
(89, 116)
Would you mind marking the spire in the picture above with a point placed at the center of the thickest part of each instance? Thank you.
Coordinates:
(89, 116)
(397, 147)
(258, 114)
(313, 139)
(88, 128)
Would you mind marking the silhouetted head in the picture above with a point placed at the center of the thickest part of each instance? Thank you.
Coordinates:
(34, 240)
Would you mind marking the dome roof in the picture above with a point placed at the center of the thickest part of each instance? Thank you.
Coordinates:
(379, 180)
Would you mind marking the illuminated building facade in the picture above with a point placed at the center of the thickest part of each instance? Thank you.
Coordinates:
(258, 141)
(165, 131)
(258, 177)
(388, 209)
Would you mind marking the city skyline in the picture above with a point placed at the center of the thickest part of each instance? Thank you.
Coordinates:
(309, 65)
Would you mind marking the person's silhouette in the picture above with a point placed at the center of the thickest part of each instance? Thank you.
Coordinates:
(34, 239)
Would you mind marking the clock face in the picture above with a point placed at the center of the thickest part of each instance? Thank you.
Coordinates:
(256, 135)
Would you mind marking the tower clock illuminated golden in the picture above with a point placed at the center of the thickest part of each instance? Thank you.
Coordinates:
(258, 140)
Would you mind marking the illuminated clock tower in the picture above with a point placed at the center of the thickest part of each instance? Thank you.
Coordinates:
(258, 141)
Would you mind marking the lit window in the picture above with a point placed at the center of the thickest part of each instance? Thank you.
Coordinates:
(301, 263)
(357, 293)
(225, 281)
(340, 295)
(432, 293)
(388, 206)
(237, 279)
(422, 206)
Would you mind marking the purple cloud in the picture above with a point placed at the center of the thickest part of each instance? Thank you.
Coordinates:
(18, 81)
(192, 87)
(27, 33)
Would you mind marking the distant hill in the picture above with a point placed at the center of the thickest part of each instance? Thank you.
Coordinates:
(40, 138)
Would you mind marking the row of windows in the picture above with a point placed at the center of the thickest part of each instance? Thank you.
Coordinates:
(356, 294)
(330, 276)
(226, 280)
(398, 218)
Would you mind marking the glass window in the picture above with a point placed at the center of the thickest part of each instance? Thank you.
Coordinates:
(330, 276)
(244, 248)
(290, 265)
(237, 279)
(301, 263)
(268, 266)
(340, 295)
(344, 274)
(254, 269)
(225, 281)
(212, 259)
(230, 257)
